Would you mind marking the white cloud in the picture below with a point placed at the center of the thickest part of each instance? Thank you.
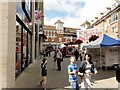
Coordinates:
(72, 22)
(91, 9)
(68, 21)
(51, 21)
(62, 5)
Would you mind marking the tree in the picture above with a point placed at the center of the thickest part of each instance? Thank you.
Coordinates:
(93, 38)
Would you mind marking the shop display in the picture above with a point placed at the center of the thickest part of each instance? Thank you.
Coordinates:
(23, 49)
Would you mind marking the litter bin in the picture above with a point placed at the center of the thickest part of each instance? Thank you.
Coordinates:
(118, 74)
(118, 77)
(115, 66)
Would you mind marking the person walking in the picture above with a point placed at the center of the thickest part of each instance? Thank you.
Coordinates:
(43, 72)
(59, 59)
(86, 69)
(55, 59)
(80, 55)
(72, 72)
(49, 52)
(76, 53)
(44, 53)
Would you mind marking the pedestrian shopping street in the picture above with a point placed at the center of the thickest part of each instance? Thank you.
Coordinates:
(58, 80)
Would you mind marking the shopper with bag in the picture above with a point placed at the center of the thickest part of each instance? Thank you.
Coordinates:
(86, 69)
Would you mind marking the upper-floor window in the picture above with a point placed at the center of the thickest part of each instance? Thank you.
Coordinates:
(106, 29)
(46, 39)
(52, 39)
(49, 33)
(114, 17)
(113, 29)
(109, 21)
(60, 26)
(46, 33)
(54, 33)
(60, 39)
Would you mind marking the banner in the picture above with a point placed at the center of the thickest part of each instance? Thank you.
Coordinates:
(38, 16)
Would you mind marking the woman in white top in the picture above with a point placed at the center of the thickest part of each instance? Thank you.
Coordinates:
(86, 69)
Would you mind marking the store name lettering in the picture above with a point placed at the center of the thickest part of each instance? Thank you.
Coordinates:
(114, 50)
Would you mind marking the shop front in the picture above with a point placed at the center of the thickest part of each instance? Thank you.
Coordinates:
(23, 38)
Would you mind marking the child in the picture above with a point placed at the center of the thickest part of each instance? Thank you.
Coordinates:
(72, 71)
(44, 72)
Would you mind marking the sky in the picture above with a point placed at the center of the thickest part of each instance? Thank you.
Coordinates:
(73, 12)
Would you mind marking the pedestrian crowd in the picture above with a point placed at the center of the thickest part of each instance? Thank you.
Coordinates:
(84, 71)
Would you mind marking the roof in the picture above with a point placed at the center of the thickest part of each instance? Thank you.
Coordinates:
(59, 21)
(106, 15)
(68, 28)
(49, 27)
(86, 22)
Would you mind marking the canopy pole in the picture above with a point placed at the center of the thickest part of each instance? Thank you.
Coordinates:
(100, 60)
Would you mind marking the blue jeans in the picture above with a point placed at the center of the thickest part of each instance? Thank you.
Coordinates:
(74, 85)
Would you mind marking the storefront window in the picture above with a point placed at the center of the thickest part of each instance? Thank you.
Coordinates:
(23, 38)
(29, 49)
(24, 48)
(18, 49)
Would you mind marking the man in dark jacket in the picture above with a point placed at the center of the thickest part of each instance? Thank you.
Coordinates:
(76, 53)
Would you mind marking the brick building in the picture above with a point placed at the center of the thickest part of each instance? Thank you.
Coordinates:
(56, 35)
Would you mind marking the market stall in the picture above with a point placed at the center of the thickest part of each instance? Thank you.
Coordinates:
(105, 44)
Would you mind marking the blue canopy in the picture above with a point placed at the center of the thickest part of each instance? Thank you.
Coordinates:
(103, 41)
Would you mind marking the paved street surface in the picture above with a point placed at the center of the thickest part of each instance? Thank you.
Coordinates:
(58, 80)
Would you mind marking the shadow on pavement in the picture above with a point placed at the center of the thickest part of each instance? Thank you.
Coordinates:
(104, 74)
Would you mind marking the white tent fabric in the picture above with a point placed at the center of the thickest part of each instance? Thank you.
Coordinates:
(94, 44)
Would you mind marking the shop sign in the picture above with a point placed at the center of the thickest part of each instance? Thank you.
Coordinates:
(38, 16)
(115, 50)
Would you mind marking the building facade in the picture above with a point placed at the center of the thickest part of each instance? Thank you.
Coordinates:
(18, 39)
(108, 23)
(57, 35)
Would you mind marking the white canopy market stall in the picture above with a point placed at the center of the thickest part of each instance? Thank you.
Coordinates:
(101, 42)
